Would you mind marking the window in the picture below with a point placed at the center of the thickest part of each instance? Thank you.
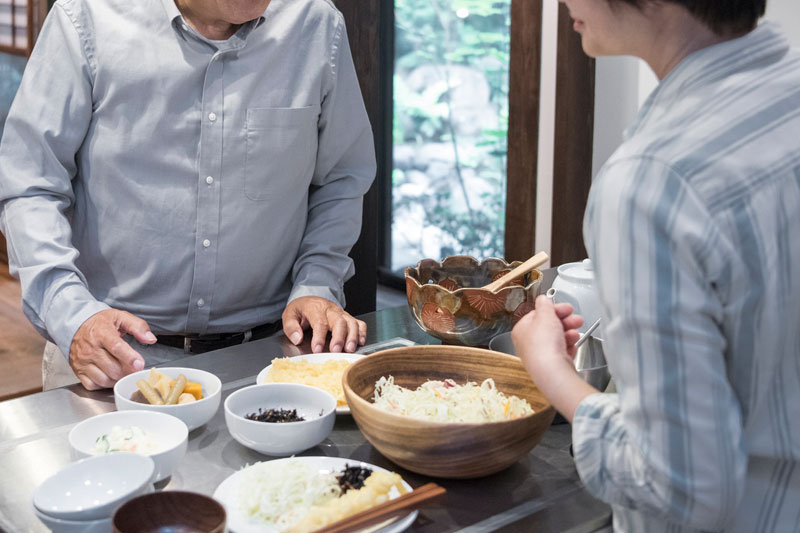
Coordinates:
(20, 21)
(380, 58)
(449, 130)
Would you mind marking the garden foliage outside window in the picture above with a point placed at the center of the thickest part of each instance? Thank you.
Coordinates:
(449, 129)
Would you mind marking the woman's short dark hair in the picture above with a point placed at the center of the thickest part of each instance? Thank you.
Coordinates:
(724, 17)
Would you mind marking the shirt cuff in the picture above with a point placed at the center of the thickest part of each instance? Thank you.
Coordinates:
(592, 426)
(68, 310)
(320, 291)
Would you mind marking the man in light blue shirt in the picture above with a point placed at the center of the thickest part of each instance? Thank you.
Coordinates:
(173, 173)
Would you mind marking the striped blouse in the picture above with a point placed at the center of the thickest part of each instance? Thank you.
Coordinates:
(694, 229)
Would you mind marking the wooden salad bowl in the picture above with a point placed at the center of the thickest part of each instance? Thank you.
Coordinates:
(446, 450)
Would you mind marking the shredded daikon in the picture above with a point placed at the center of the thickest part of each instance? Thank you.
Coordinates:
(447, 401)
(281, 494)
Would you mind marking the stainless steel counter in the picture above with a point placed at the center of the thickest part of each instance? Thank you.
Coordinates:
(542, 492)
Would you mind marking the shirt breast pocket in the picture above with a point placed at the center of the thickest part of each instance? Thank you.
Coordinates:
(281, 151)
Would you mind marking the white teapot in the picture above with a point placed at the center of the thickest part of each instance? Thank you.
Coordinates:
(574, 285)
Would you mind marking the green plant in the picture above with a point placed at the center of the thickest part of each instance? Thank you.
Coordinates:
(443, 34)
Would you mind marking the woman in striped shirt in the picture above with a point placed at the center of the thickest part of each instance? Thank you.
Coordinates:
(692, 226)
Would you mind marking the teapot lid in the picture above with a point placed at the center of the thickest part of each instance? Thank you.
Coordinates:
(580, 271)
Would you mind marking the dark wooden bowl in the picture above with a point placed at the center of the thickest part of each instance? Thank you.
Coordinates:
(446, 450)
(170, 510)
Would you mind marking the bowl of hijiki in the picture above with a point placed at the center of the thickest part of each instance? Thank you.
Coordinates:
(447, 411)
(280, 419)
(190, 394)
(160, 436)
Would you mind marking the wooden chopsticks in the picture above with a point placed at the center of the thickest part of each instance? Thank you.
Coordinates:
(409, 501)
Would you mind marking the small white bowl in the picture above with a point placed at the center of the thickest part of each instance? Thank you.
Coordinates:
(285, 438)
(93, 488)
(103, 525)
(169, 432)
(194, 414)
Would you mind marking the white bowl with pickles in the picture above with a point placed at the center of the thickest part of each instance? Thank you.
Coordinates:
(194, 397)
(160, 436)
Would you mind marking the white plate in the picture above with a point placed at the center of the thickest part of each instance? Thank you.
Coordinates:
(317, 358)
(238, 522)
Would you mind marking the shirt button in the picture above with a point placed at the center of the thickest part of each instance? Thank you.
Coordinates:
(209, 180)
(206, 243)
(212, 116)
(201, 302)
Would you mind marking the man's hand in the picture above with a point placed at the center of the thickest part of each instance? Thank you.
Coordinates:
(98, 354)
(322, 316)
(545, 341)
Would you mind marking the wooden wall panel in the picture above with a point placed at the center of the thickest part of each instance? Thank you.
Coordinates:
(363, 18)
(523, 127)
(572, 168)
(3, 254)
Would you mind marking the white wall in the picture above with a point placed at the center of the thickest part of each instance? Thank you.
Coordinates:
(787, 14)
(547, 125)
(616, 102)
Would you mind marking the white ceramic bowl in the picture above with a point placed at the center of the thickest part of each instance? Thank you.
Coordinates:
(286, 438)
(56, 525)
(194, 414)
(170, 433)
(93, 488)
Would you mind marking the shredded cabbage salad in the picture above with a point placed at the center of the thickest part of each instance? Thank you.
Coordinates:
(447, 401)
(126, 439)
(280, 494)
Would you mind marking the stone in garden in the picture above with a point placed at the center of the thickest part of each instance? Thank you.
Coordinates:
(469, 95)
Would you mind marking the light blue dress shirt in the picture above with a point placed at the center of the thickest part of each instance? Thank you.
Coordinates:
(694, 229)
(196, 184)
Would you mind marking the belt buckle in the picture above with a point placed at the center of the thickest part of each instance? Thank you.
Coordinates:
(187, 345)
(247, 336)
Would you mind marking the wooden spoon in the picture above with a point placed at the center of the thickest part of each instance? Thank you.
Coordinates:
(535, 261)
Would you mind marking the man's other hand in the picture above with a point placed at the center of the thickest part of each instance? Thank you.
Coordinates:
(322, 316)
(99, 355)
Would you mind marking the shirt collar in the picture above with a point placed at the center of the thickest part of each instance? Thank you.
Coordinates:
(171, 10)
(174, 16)
(766, 44)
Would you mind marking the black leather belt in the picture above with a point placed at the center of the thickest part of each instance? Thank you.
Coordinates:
(197, 344)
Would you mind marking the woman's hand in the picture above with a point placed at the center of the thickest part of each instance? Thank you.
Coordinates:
(545, 341)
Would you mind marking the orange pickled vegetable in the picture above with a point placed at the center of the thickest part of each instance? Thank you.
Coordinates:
(195, 389)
